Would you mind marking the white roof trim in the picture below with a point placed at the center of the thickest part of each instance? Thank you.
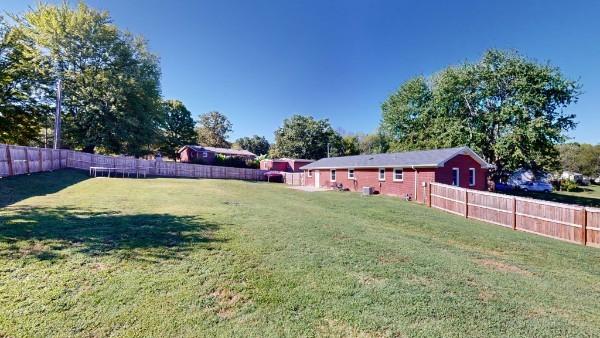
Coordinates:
(467, 151)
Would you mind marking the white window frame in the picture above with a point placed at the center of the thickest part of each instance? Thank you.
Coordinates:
(353, 177)
(204, 154)
(473, 172)
(457, 177)
(309, 173)
(394, 175)
(332, 175)
(379, 174)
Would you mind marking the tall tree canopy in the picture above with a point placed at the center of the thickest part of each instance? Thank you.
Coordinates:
(305, 137)
(176, 127)
(111, 94)
(23, 110)
(255, 144)
(213, 130)
(581, 158)
(350, 145)
(509, 109)
(375, 143)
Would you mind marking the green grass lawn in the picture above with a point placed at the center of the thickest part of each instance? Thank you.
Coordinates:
(179, 257)
(587, 196)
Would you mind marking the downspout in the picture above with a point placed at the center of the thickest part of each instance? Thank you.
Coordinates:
(416, 177)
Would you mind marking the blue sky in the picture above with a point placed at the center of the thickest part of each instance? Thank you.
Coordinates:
(261, 61)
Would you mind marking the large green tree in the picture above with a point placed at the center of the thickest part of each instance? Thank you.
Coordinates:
(111, 95)
(258, 145)
(176, 128)
(213, 130)
(510, 109)
(23, 111)
(581, 158)
(375, 143)
(306, 137)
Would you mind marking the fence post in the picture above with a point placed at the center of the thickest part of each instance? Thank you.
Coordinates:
(9, 161)
(51, 160)
(59, 159)
(466, 203)
(26, 160)
(584, 227)
(514, 213)
(41, 166)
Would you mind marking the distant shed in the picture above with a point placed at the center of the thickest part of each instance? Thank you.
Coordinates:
(289, 165)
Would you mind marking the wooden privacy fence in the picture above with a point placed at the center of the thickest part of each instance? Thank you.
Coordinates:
(572, 223)
(293, 178)
(18, 160)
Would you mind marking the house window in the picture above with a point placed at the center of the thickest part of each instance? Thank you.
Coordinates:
(350, 174)
(205, 154)
(455, 177)
(382, 174)
(471, 176)
(309, 173)
(398, 175)
(333, 176)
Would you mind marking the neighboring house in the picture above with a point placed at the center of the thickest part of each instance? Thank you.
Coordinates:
(290, 165)
(572, 176)
(200, 154)
(401, 174)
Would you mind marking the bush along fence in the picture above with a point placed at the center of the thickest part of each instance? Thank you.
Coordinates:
(566, 222)
(19, 160)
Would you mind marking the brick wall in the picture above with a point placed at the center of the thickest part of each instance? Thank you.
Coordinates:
(370, 178)
(463, 163)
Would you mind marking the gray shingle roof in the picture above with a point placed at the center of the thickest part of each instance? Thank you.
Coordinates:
(424, 158)
(225, 151)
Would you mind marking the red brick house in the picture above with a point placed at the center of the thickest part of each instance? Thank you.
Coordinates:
(206, 155)
(400, 174)
(289, 165)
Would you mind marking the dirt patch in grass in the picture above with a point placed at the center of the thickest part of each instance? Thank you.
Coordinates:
(338, 328)
(368, 280)
(97, 267)
(503, 267)
(227, 301)
(486, 295)
(392, 259)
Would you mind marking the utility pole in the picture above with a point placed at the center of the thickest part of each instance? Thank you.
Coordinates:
(57, 122)
(327, 149)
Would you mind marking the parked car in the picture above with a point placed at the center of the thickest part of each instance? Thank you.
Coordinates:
(503, 187)
(536, 186)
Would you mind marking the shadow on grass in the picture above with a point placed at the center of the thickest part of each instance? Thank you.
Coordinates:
(17, 188)
(49, 234)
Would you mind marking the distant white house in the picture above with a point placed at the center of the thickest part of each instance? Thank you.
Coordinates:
(571, 176)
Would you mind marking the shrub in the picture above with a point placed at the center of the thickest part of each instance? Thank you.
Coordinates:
(568, 185)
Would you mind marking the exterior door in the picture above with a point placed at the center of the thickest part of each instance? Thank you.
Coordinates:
(317, 179)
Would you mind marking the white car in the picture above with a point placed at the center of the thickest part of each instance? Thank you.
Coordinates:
(536, 186)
